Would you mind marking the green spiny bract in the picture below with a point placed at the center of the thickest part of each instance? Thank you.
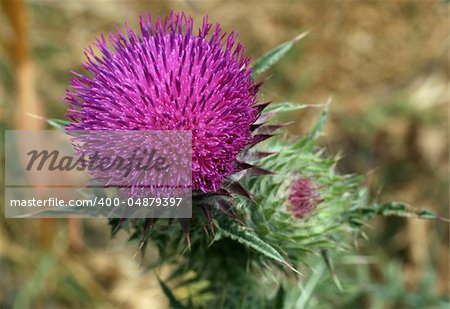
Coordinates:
(249, 259)
(261, 258)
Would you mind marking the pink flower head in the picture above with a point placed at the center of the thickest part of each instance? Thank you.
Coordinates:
(169, 78)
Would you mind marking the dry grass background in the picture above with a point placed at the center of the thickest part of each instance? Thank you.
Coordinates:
(384, 62)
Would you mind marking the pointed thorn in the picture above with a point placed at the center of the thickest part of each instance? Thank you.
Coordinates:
(257, 171)
(262, 106)
(254, 127)
(270, 128)
(240, 166)
(258, 155)
(236, 188)
(259, 138)
(185, 225)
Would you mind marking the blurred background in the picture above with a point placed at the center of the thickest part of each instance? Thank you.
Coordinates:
(385, 63)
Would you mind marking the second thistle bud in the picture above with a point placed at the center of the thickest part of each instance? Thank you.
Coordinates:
(303, 197)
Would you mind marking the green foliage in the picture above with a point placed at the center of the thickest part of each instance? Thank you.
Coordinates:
(247, 237)
(251, 264)
(396, 209)
(173, 302)
(54, 123)
(260, 255)
(284, 107)
(321, 123)
(58, 123)
(270, 58)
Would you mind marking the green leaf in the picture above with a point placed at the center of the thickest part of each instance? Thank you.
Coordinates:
(315, 133)
(396, 209)
(269, 59)
(307, 290)
(173, 302)
(329, 263)
(279, 298)
(284, 107)
(248, 238)
(57, 123)
(430, 215)
(404, 210)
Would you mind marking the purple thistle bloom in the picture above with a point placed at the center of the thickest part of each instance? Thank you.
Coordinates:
(303, 197)
(168, 78)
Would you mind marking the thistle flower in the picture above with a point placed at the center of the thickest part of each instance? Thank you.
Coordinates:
(168, 78)
(303, 197)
